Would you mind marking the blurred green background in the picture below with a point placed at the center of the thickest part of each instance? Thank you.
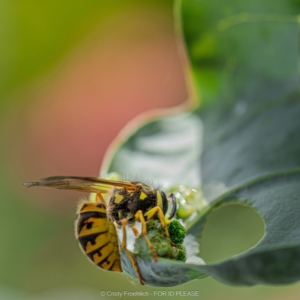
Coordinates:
(72, 74)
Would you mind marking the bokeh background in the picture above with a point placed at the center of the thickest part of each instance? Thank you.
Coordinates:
(72, 74)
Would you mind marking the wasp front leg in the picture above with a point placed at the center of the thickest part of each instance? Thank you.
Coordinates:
(135, 231)
(124, 247)
(139, 216)
(157, 210)
(99, 198)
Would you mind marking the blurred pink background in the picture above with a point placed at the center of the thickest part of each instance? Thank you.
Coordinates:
(128, 65)
(72, 75)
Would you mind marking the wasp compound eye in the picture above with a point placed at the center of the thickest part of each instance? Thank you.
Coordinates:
(174, 206)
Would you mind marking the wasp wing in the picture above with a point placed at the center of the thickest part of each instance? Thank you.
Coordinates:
(82, 184)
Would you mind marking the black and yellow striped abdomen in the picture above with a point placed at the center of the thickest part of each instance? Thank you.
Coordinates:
(97, 236)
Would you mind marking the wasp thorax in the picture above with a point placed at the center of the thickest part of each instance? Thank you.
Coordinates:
(125, 203)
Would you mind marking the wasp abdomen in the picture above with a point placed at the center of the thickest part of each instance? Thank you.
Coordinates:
(97, 236)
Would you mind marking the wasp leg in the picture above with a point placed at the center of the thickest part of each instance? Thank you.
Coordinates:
(99, 198)
(139, 216)
(124, 247)
(135, 231)
(151, 213)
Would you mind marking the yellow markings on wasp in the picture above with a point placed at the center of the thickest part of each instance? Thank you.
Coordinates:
(97, 236)
(97, 226)
(100, 241)
(159, 200)
(120, 214)
(117, 267)
(109, 261)
(104, 252)
(90, 207)
(143, 196)
(118, 198)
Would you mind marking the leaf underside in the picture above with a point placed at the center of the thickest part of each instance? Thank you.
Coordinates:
(245, 137)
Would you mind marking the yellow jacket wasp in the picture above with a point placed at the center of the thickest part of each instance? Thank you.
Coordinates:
(117, 204)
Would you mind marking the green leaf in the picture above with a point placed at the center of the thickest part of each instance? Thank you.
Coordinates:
(275, 259)
(151, 151)
(242, 53)
(244, 139)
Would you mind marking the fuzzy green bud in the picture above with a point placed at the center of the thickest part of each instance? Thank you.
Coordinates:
(177, 232)
(163, 245)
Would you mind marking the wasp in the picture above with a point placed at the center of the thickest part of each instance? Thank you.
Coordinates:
(117, 204)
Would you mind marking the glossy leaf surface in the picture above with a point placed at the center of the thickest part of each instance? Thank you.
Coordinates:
(244, 139)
